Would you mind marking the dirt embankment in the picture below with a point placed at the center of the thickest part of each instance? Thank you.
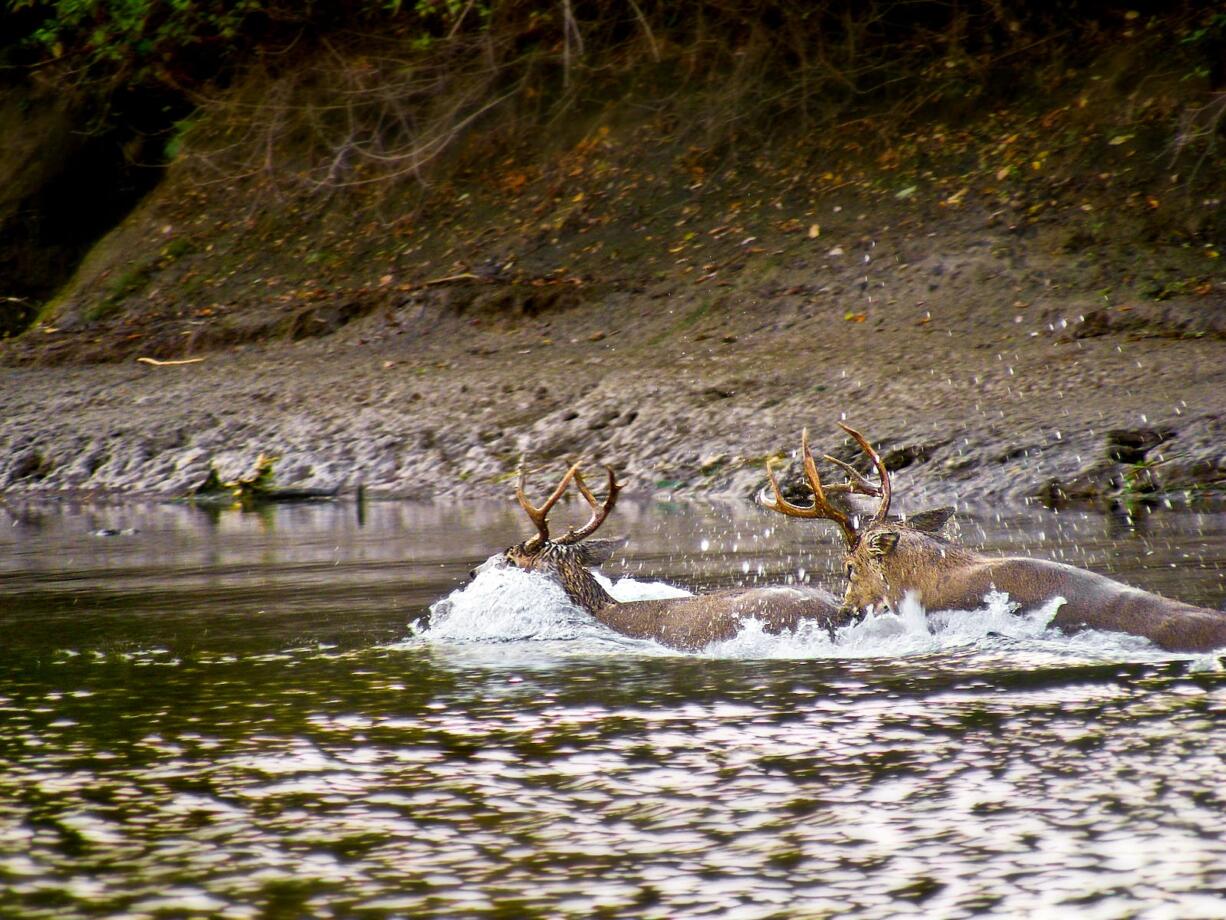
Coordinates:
(1028, 303)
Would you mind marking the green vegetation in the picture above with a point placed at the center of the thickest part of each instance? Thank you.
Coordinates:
(130, 282)
(129, 41)
(246, 492)
(182, 42)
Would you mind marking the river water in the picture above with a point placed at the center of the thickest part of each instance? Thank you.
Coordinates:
(234, 715)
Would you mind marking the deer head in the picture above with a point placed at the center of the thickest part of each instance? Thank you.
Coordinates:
(894, 556)
(565, 559)
(885, 556)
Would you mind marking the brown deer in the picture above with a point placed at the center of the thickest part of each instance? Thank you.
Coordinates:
(686, 623)
(888, 559)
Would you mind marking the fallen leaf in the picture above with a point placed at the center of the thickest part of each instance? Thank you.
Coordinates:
(1120, 139)
(814, 231)
(855, 317)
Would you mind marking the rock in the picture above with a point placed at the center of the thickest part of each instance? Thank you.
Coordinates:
(1093, 324)
(1092, 482)
(1130, 445)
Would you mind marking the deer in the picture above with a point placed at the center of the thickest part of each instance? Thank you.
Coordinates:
(888, 559)
(682, 623)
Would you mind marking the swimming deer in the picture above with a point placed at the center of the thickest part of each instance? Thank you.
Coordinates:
(686, 623)
(887, 559)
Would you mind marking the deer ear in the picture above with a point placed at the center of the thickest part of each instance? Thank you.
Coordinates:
(882, 543)
(931, 521)
(599, 551)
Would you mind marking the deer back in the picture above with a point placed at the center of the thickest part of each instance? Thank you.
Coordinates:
(894, 560)
(693, 623)
(1094, 601)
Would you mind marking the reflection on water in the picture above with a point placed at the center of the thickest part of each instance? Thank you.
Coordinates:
(231, 717)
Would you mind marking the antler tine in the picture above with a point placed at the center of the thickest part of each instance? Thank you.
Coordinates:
(600, 510)
(821, 507)
(856, 482)
(882, 473)
(539, 516)
(781, 504)
(819, 495)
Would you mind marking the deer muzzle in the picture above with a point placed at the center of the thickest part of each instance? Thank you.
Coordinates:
(851, 613)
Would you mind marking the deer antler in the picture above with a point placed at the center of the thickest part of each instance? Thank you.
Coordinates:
(600, 510)
(821, 507)
(884, 508)
(856, 483)
(539, 516)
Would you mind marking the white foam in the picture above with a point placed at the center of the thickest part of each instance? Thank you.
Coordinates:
(513, 610)
(630, 589)
(507, 605)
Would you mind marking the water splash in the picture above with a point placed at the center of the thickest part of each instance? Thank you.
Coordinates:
(629, 589)
(508, 605)
(998, 628)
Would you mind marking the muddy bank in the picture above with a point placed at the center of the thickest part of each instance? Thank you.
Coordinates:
(977, 381)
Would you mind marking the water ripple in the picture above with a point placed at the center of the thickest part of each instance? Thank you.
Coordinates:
(947, 767)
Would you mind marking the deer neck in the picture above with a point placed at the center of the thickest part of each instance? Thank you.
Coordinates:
(925, 568)
(568, 566)
(584, 590)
